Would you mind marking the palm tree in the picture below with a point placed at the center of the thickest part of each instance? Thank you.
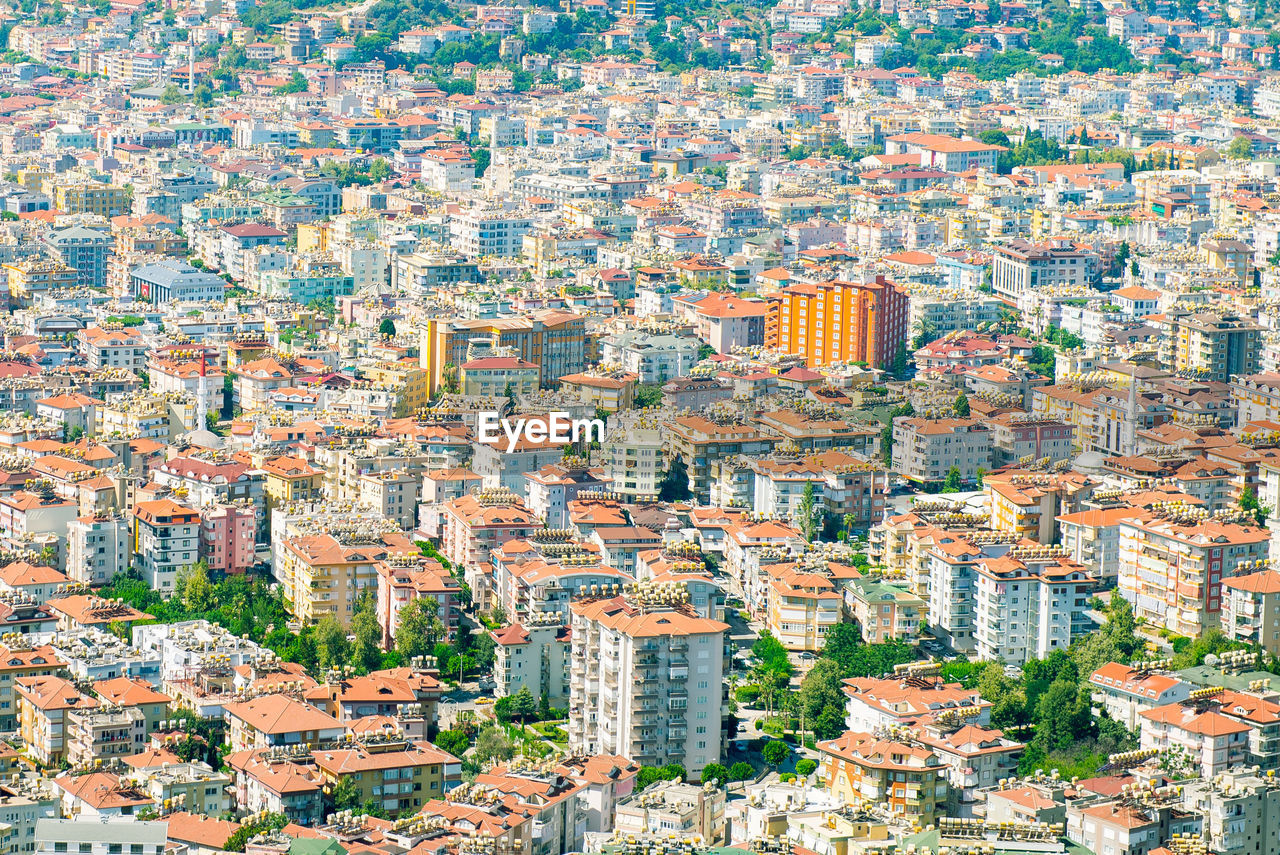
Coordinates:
(926, 331)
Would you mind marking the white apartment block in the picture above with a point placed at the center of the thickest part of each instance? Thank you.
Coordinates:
(101, 836)
(952, 585)
(1021, 265)
(1241, 811)
(480, 232)
(1124, 693)
(98, 547)
(533, 654)
(646, 678)
(926, 449)
(632, 454)
(1029, 602)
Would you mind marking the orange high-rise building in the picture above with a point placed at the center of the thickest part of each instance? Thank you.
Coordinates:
(839, 321)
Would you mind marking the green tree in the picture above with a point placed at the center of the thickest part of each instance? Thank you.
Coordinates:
(806, 767)
(810, 512)
(373, 809)
(387, 328)
(741, 771)
(492, 745)
(482, 157)
(1240, 148)
(961, 406)
(345, 795)
(252, 827)
(1249, 504)
(842, 644)
(647, 395)
(203, 95)
(173, 94)
(419, 627)
(674, 484)
(821, 688)
(770, 652)
(524, 706)
(331, 644)
(1063, 716)
(454, 742)
(953, 483)
(197, 591)
(775, 752)
(297, 83)
(367, 648)
(651, 774)
(715, 772)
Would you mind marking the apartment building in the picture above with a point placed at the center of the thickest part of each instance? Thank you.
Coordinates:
(474, 526)
(227, 537)
(1020, 266)
(646, 678)
(553, 340)
(89, 197)
(110, 836)
(1241, 811)
(976, 759)
(397, 774)
(838, 322)
(405, 579)
(632, 453)
(1124, 693)
(1211, 741)
(289, 785)
(1125, 827)
(925, 450)
(533, 654)
(18, 660)
(1217, 346)
(195, 786)
(1092, 538)
(882, 611)
(113, 347)
(104, 734)
(393, 494)
(273, 721)
(667, 807)
(135, 693)
(45, 704)
(83, 250)
(1256, 397)
(654, 355)
(166, 538)
(1028, 503)
(22, 805)
(1251, 608)
(907, 777)
(324, 575)
(1028, 603)
(1173, 562)
(481, 232)
(702, 444)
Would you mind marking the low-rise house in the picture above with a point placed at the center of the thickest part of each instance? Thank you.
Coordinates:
(273, 721)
